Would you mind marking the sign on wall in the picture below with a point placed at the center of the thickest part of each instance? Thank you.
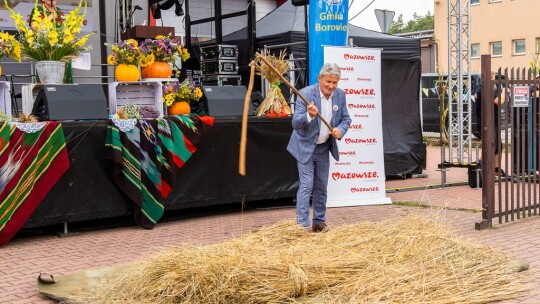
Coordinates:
(520, 96)
(358, 177)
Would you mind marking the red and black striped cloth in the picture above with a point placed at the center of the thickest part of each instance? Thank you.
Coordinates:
(31, 162)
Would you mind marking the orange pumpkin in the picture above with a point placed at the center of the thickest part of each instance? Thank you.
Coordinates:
(179, 108)
(127, 72)
(157, 69)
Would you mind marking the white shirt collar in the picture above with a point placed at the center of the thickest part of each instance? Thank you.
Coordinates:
(322, 95)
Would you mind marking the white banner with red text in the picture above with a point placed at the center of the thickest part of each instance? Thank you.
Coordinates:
(358, 177)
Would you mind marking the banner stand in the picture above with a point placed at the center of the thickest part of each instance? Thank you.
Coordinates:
(358, 177)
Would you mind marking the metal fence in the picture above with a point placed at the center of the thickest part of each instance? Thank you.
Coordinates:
(511, 180)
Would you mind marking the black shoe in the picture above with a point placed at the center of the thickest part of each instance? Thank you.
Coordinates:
(320, 227)
(501, 171)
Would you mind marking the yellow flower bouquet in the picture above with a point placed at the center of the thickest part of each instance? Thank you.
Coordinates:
(128, 52)
(128, 56)
(9, 47)
(49, 41)
(181, 91)
(164, 49)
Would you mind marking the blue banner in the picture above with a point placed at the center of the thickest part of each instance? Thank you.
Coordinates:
(328, 21)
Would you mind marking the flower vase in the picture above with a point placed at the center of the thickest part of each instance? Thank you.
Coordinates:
(179, 108)
(127, 72)
(50, 72)
(157, 69)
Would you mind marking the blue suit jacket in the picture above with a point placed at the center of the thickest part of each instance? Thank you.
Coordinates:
(305, 134)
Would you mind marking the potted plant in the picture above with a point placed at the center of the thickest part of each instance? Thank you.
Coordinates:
(178, 96)
(127, 55)
(166, 52)
(51, 45)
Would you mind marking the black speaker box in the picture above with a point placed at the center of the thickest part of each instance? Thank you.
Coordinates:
(299, 2)
(475, 176)
(225, 100)
(71, 102)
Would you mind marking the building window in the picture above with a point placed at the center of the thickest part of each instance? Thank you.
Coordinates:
(475, 2)
(491, 1)
(496, 48)
(475, 50)
(537, 45)
(519, 46)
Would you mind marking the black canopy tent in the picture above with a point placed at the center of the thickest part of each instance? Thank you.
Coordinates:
(404, 151)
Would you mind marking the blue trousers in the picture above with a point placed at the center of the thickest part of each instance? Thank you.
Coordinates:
(313, 176)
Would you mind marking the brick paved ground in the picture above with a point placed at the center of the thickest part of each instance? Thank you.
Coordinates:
(112, 242)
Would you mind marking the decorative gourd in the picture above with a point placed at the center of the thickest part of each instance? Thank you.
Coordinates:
(127, 72)
(179, 108)
(157, 69)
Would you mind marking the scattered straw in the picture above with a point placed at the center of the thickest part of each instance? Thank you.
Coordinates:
(27, 118)
(412, 260)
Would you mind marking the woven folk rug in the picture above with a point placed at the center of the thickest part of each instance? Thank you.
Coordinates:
(33, 157)
(147, 155)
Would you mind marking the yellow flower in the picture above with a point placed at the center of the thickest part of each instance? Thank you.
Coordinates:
(184, 54)
(68, 38)
(133, 42)
(169, 99)
(17, 53)
(198, 93)
(146, 60)
(53, 37)
(111, 59)
(82, 41)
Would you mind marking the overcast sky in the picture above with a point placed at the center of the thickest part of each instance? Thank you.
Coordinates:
(406, 8)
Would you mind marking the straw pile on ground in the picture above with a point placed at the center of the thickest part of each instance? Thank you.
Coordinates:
(412, 260)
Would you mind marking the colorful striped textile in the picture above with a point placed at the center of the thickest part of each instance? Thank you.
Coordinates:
(147, 157)
(33, 157)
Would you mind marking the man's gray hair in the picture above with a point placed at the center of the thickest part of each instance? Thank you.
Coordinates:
(330, 69)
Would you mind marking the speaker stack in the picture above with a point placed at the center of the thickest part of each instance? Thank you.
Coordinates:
(219, 65)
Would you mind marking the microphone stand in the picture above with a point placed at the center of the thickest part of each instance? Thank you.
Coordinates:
(130, 19)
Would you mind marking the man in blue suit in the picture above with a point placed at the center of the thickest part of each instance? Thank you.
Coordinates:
(311, 143)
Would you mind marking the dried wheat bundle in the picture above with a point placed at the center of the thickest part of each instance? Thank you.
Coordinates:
(27, 118)
(411, 260)
(274, 102)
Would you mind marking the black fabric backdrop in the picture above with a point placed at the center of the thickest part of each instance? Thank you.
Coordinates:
(404, 152)
(210, 177)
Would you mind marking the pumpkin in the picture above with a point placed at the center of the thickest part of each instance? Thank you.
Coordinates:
(157, 69)
(179, 108)
(271, 113)
(127, 72)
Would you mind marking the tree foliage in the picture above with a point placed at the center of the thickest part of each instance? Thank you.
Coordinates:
(418, 23)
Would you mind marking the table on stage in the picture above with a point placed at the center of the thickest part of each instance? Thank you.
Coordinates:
(210, 177)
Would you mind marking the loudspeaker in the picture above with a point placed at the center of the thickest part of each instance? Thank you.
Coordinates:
(475, 175)
(299, 2)
(256, 100)
(225, 101)
(71, 102)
